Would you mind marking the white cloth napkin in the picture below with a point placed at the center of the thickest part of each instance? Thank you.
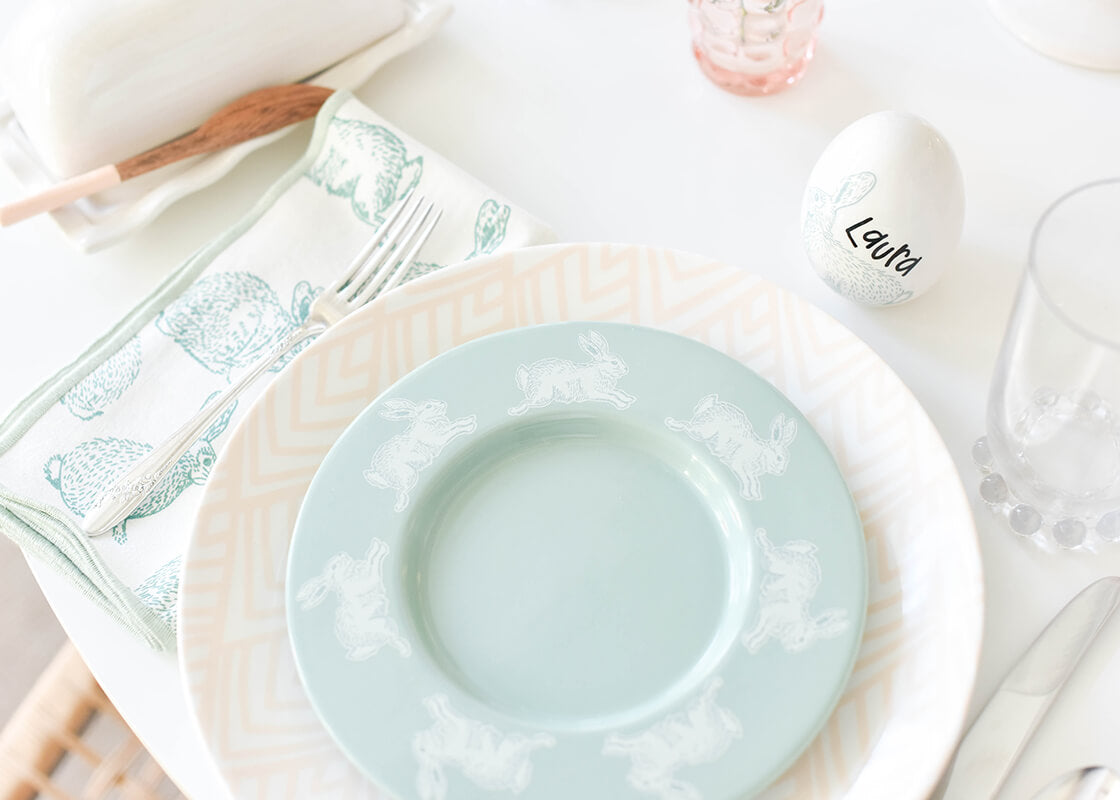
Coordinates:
(216, 315)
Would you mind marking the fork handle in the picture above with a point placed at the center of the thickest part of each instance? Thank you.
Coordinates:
(132, 488)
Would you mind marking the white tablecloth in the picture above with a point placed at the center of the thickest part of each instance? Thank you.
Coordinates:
(591, 115)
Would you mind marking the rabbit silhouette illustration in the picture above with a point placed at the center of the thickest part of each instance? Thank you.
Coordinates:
(104, 386)
(489, 227)
(160, 591)
(84, 474)
(558, 380)
(367, 164)
(789, 584)
(489, 759)
(418, 269)
(700, 734)
(230, 320)
(729, 436)
(362, 623)
(489, 233)
(397, 463)
(840, 268)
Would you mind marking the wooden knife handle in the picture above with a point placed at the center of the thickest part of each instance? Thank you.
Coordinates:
(255, 114)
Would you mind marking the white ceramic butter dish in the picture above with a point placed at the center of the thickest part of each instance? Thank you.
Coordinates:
(106, 217)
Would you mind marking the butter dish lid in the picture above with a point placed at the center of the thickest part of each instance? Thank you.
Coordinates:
(93, 82)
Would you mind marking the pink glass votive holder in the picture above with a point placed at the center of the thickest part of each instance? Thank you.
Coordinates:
(753, 47)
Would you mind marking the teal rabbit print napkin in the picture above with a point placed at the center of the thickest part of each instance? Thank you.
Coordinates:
(214, 317)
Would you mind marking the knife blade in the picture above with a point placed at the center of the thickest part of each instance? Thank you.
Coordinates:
(994, 742)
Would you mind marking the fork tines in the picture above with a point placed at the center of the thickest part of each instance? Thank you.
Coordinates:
(383, 261)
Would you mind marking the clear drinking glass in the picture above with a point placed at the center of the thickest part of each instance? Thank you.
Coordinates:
(754, 47)
(1052, 454)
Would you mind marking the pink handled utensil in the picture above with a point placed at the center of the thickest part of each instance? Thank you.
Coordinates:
(255, 114)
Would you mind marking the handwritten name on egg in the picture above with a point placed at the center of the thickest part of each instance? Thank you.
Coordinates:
(880, 247)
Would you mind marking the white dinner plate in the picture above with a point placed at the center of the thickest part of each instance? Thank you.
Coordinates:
(903, 708)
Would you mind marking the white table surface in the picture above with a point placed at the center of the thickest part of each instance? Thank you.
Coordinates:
(592, 115)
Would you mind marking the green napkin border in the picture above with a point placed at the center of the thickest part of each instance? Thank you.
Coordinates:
(53, 536)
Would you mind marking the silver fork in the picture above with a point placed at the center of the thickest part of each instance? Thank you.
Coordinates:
(377, 269)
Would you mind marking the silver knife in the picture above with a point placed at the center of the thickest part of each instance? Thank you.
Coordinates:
(992, 745)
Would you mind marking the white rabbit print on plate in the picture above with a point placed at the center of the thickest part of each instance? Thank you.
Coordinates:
(397, 463)
(700, 734)
(489, 759)
(729, 436)
(792, 575)
(558, 380)
(362, 623)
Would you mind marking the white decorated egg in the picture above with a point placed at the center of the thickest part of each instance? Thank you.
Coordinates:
(883, 209)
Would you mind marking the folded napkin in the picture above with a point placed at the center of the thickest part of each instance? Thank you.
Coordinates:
(231, 303)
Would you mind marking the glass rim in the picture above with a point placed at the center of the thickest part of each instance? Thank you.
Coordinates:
(1040, 284)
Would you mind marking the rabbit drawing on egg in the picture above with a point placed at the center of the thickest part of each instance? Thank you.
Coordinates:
(558, 380)
(837, 263)
(230, 320)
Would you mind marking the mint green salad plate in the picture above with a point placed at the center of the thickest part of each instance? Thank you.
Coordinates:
(583, 560)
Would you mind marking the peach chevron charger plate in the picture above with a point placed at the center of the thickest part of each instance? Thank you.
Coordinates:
(903, 708)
